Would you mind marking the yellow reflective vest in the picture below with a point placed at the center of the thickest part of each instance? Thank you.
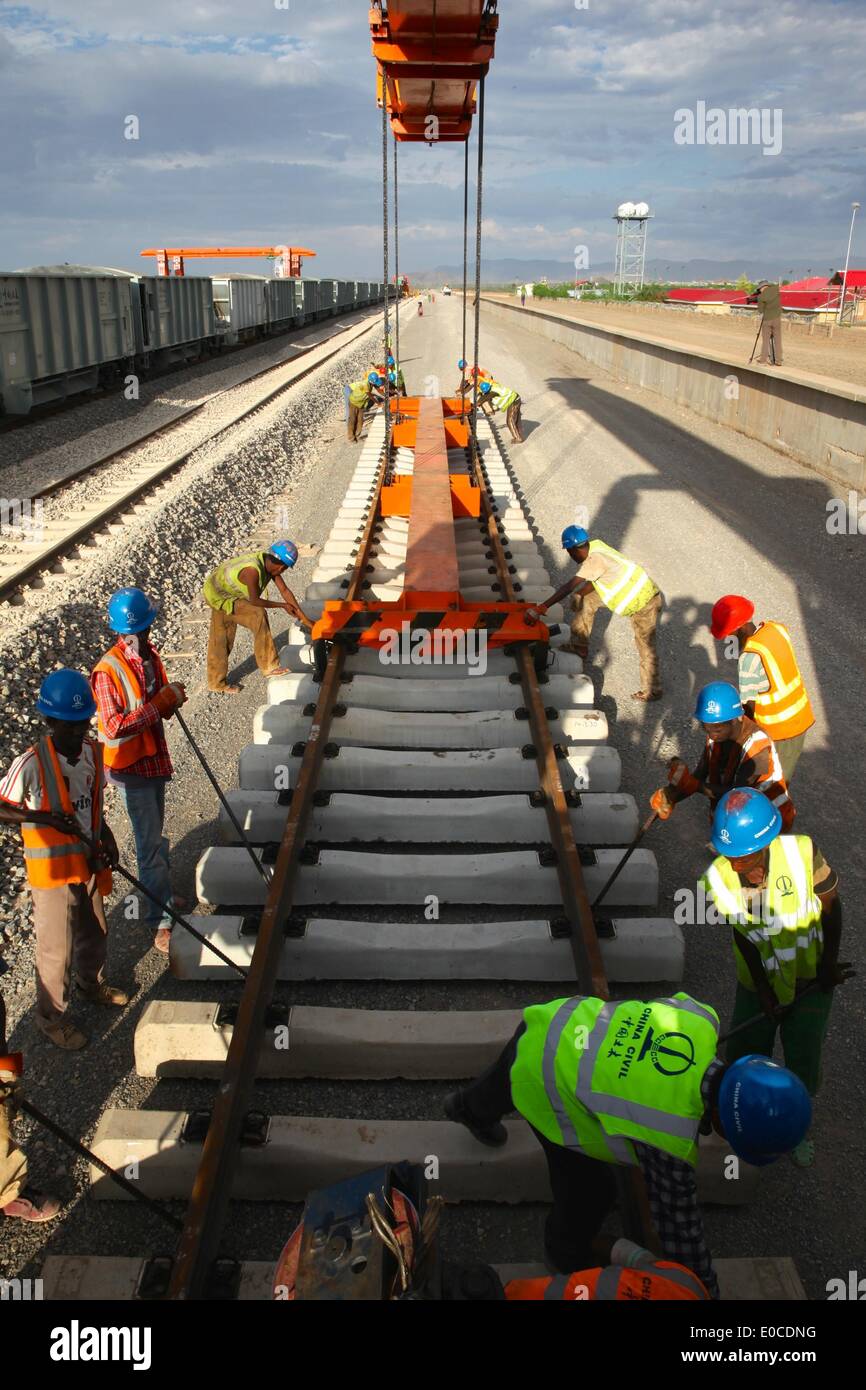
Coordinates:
(629, 590)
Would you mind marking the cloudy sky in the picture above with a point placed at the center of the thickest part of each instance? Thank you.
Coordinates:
(258, 124)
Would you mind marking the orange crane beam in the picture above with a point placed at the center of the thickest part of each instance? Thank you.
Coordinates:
(290, 256)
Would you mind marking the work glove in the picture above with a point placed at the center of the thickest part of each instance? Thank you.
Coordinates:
(11, 1070)
(680, 777)
(663, 803)
(168, 699)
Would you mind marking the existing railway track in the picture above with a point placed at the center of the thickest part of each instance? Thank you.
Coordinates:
(59, 538)
(506, 807)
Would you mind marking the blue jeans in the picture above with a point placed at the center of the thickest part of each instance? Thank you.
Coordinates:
(145, 807)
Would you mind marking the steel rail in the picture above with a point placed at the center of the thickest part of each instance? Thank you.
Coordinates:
(89, 525)
(583, 938)
(211, 1192)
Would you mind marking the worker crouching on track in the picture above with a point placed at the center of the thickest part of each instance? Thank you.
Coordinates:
(736, 754)
(54, 791)
(493, 397)
(781, 900)
(632, 1274)
(771, 687)
(630, 1083)
(605, 577)
(234, 593)
(18, 1200)
(134, 697)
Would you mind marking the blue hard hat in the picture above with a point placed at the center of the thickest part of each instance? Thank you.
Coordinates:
(130, 610)
(462, 363)
(66, 695)
(718, 702)
(764, 1108)
(374, 378)
(392, 377)
(745, 821)
(391, 362)
(574, 535)
(284, 551)
(484, 387)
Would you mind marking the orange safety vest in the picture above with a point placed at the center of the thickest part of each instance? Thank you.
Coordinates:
(784, 710)
(126, 749)
(660, 1280)
(51, 857)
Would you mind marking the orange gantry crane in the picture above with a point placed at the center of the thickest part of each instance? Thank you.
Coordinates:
(430, 54)
(170, 259)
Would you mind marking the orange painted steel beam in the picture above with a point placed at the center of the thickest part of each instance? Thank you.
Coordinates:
(240, 252)
(431, 552)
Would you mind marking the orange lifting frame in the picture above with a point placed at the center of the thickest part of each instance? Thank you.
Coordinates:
(431, 599)
(430, 54)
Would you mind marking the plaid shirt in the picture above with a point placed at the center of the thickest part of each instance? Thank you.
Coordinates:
(116, 719)
(673, 1199)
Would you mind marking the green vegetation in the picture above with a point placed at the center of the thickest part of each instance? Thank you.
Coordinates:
(541, 291)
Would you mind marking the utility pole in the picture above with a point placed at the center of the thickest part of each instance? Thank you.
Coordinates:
(854, 207)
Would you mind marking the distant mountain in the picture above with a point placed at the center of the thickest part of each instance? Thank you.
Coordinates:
(509, 270)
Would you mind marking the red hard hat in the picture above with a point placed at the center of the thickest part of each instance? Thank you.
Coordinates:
(730, 613)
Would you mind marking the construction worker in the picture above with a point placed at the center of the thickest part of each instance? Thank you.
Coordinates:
(780, 897)
(469, 375)
(769, 300)
(736, 754)
(493, 397)
(133, 697)
(771, 686)
(18, 1200)
(630, 1083)
(53, 791)
(234, 593)
(361, 393)
(631, 1273)
(396, 377)
(607, 577)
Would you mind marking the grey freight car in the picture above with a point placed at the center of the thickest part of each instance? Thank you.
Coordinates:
(63, 329)
(174, 318)
(285, 304)
(345, 295)
(239, 302)
(327, 299)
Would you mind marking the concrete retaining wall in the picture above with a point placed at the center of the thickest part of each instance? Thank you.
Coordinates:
(820, 427)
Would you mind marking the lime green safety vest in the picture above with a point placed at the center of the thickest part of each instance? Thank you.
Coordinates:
(359, 392)
(786, 931)
(630, 590)
(503, 396)
(223, 587)
(593, 1076)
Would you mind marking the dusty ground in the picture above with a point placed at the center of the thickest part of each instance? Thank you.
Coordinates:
(840, 358)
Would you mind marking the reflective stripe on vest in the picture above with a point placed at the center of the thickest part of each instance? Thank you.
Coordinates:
(125, 749)
(223, 587)
(787, 941)
(784, 710)
(595, 1076)
(656, 1280)
(503, 396)
(630, 591)
(52, 858)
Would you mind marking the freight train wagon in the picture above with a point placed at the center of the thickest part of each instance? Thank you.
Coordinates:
(284, 301)
(62, 330)
(239, 302)
(174, 319)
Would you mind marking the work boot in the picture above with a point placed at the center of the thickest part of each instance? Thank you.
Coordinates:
(100, 992)
(31, 1205)
(494, 1135)
(162, 941)
(62, 1033)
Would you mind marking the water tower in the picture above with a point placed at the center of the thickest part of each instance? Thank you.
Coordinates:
(631, 230)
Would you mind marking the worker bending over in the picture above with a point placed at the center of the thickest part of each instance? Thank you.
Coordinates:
(605, 577)
(495, 397)
(53, 791)
(632, 1274)
(18, 1200)
(736, 754)
(628, 1083)
(469, 375)
(780, 898)
(234, 593)
(771, 687)
(134, 697)
(362, 393)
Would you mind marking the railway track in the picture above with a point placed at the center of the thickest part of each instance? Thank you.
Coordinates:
(423, 824)
(24, 564)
